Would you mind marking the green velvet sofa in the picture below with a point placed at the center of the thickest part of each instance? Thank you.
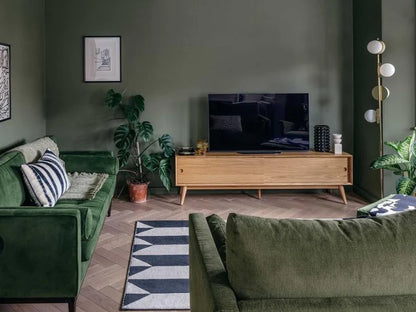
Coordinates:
(45, 252)
(257, 264)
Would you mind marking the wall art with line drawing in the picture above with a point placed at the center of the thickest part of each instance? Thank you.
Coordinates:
(5, 88)
(102, 59)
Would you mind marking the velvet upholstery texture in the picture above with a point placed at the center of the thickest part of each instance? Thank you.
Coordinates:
(12, 191)
(210, 290)
(217, 227)
(32, 266)
(321, 258)
(90, 162)
(45, 252)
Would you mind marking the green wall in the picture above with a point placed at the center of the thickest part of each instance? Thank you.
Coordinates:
(367, 27)
(22, 26)
(394, 23)
(176, 52)
(398, 26)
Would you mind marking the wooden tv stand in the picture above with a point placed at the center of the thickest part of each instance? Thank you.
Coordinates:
(288, 170)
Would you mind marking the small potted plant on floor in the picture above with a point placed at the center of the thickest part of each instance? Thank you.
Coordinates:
(403, 163)
(135, 142)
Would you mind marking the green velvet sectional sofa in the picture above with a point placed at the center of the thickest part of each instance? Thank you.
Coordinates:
(45, 252)
(257, 264)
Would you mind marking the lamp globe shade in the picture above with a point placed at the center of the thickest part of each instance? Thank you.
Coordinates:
(370, 115)
(387, 70)
(376, 47)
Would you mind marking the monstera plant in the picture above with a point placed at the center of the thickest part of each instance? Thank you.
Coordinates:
(402, 163)
(134, 141)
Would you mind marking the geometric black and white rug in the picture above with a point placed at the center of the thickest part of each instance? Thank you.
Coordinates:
(158, 274)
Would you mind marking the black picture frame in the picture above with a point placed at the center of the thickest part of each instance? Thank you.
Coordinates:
(5, 82)
(102, 59)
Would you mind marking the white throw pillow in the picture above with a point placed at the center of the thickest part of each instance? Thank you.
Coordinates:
(46, 179)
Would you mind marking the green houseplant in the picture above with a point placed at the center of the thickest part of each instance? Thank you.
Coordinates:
(134, 141)
(402, 163)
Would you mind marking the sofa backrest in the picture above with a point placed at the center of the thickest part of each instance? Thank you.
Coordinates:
(289, 258)
(12, 190)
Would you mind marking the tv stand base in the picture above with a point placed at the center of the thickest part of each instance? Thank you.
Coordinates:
(184, 190)
(288, 170)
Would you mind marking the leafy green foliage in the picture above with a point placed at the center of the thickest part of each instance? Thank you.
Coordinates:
(403, 163)
(388, 160)
(112, 98)
(405, 185)
(166, 144)
(145, 130)
(130, 136)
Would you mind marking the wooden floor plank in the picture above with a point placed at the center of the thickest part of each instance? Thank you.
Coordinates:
(103, 286)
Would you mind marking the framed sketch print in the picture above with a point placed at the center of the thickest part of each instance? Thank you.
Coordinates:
(5, 91)
(102, 59)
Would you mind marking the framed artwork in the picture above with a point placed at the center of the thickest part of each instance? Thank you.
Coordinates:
(5, 89)
(102, 59)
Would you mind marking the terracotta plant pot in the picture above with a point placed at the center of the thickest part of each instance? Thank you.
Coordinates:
(138, 192)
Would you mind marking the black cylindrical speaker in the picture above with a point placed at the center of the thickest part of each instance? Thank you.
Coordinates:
(321, 136)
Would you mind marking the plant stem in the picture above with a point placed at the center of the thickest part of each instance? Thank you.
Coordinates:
(147, 147)
(139, 160)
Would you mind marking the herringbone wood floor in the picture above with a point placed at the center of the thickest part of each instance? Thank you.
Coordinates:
(103, 286)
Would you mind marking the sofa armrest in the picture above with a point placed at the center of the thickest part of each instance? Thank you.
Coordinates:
(80, 162)
(210, 289)
(40, 254)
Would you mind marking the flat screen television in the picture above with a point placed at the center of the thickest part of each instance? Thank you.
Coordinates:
(266, 122)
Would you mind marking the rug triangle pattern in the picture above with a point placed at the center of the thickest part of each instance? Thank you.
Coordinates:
(159, 267)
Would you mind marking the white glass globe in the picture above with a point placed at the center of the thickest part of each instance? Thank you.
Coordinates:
(370, 115)
(387, 70)
(376, 47)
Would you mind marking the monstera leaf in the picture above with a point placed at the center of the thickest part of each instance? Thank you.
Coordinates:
(123, 157)
(145, 130)
(164, 172)
(166, 144)
(151, 162)
(405, 186)
(112, 98)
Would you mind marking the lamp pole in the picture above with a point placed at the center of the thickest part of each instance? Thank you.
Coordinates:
(380, 122)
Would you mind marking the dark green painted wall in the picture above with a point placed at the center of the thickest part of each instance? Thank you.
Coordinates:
(22, 26)
(394, 23)
(398, 26)
(176, 52)
(367, 27)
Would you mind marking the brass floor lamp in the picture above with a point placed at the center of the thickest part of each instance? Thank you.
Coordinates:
(379, 93)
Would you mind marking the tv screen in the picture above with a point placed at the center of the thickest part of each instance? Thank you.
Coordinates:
(259, 122)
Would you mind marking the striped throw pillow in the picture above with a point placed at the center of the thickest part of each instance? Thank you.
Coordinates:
(46, 179)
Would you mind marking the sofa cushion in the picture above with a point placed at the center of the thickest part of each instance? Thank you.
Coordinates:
(98, 207)
(217, 226)
(12, 190)
(289, 258)
(46, 180)
(33, 151)
(404, 303)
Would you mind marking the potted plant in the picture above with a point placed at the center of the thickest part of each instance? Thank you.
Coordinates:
(402, 163)
(134, 141)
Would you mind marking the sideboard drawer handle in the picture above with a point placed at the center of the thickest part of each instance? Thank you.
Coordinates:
(181, 170)
(345, 168)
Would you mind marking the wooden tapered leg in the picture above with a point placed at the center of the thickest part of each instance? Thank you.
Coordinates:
(259, 193)
(342, 191)
(184, 189)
